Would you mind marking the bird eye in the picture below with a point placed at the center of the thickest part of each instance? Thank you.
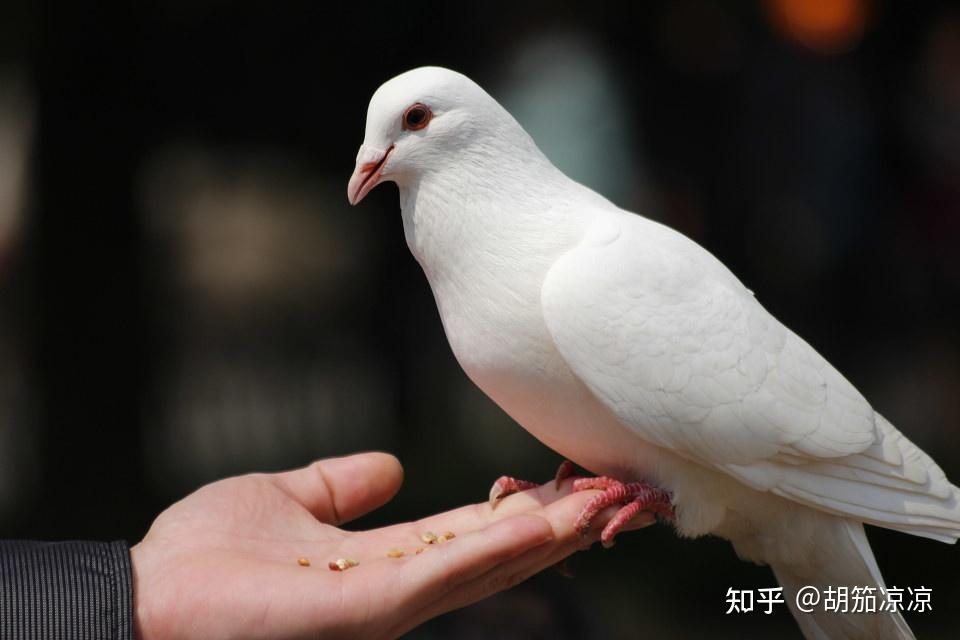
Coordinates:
(416, 117)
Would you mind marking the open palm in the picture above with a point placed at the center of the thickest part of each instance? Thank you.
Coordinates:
(223, 562)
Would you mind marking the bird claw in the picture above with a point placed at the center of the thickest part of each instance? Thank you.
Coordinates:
(632, 497)
(566, 470)
(505, 486)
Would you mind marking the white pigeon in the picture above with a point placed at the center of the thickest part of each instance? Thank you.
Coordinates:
(631, 350)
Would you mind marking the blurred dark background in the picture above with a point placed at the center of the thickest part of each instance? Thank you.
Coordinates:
(185, 294)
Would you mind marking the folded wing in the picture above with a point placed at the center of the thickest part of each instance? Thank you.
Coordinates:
(680, 351)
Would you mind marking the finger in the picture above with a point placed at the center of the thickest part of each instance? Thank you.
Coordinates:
(336, 490)
(500, 578)
(518, 569)
(521, 566)
(475, 517)
(448, 566)
(478, 516)
(429, 576)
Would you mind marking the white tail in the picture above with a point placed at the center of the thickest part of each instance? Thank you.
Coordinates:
(845, 560)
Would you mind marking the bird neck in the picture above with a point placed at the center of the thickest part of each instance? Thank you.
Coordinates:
(484, 221)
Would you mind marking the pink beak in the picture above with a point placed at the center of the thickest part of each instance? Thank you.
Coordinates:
(366, 175)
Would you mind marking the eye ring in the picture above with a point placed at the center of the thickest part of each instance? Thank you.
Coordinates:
(416, 117)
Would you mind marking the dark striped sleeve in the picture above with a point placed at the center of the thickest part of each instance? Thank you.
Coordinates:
(65, 591)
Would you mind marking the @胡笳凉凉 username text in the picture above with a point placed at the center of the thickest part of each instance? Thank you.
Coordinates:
(843, 599)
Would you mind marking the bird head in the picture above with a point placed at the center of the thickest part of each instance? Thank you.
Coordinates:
(422, 121)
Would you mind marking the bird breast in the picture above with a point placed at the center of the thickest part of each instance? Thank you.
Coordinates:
(495, 327)
(486, 261)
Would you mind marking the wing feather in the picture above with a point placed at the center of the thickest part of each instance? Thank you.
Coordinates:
(680, 351)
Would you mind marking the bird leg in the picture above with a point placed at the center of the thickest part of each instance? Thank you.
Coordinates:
(632, 497)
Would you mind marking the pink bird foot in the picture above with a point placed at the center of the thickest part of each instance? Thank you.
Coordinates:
(633, 498)
(507, 485)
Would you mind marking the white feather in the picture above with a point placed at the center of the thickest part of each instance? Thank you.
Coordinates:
(631, 350)
(758, 402)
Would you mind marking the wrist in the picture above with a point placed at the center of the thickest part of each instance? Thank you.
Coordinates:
(143, 618)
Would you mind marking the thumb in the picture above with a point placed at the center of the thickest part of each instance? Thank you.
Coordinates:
(337, 490)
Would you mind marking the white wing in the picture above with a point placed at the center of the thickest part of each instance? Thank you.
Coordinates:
(671, 342)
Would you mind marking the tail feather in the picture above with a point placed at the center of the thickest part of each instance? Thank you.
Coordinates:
(892, 484)
(845, 560)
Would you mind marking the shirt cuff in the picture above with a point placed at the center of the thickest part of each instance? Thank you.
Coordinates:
(67, 590)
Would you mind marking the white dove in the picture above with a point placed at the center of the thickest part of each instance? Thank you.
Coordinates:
(631, 350)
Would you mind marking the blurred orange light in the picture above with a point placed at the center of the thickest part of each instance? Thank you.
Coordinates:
(825, 26)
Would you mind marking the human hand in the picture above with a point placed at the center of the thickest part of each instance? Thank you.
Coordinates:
(222, 562)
